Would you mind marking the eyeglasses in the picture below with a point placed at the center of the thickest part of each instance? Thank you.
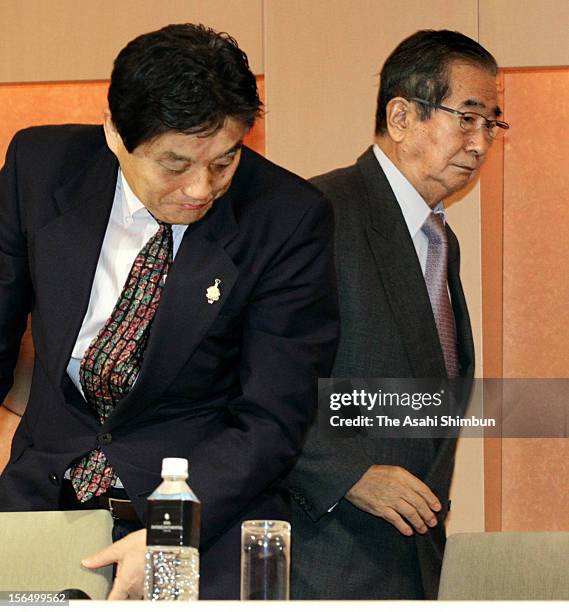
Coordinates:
(470, 122)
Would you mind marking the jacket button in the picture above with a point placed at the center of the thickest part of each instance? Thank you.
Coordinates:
(105, 438)
(54, 479)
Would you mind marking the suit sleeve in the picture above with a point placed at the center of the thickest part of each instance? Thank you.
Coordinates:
(15, 284)
(289, 341)
(325, 472)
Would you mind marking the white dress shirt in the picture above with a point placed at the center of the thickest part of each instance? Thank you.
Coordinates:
(415, 210)
(129, 229)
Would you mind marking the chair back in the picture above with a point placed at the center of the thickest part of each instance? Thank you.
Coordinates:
(42, 551)
(506, 566)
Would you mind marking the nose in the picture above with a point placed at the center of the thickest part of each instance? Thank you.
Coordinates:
(477, 142)
(197, 185)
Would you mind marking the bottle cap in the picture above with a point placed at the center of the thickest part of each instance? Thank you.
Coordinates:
(174, 466)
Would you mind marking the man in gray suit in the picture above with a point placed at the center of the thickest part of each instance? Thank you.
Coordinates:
(369, 514)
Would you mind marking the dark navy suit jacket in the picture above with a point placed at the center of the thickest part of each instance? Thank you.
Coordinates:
(231, 385)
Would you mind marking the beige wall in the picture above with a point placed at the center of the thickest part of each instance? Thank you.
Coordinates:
(320, 59)
(525, 33)
(67, 40)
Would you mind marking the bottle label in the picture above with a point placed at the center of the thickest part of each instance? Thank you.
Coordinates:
(173, 522)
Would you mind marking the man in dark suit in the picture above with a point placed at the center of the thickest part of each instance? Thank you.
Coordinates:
(183, 302)
(368, 521)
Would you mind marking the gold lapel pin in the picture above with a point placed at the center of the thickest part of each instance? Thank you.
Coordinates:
(213, 293)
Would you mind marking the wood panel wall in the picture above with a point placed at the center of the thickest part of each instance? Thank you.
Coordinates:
(525, 192)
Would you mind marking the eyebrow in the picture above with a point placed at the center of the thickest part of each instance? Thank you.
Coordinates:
(172, 156)
(472, 102)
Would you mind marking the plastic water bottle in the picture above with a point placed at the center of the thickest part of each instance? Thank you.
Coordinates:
(173, 530)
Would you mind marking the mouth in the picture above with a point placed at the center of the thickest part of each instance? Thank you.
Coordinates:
(189, 206)
(465, 167)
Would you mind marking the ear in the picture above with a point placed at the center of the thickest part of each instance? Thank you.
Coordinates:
(113, 138)
(400, 115)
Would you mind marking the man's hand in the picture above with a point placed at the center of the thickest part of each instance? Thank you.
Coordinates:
(129, 553)
(393, 494)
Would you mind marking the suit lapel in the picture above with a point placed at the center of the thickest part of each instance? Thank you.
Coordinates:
(184, 314)
(400, 272)
(461, 316)
(69, 247)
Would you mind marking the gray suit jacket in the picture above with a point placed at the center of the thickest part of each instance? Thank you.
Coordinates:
(387, 330)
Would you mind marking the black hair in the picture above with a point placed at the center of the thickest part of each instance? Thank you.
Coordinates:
(419, 67)
(185, 78)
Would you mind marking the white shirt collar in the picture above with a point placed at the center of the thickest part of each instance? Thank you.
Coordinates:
(130, 204)
(415, 210)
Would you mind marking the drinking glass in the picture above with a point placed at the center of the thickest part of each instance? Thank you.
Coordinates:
(265, 559)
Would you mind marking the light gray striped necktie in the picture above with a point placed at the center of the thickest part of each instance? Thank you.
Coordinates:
(436, 280)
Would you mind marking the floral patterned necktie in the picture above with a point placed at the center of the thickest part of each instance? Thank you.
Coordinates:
(112, 362)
